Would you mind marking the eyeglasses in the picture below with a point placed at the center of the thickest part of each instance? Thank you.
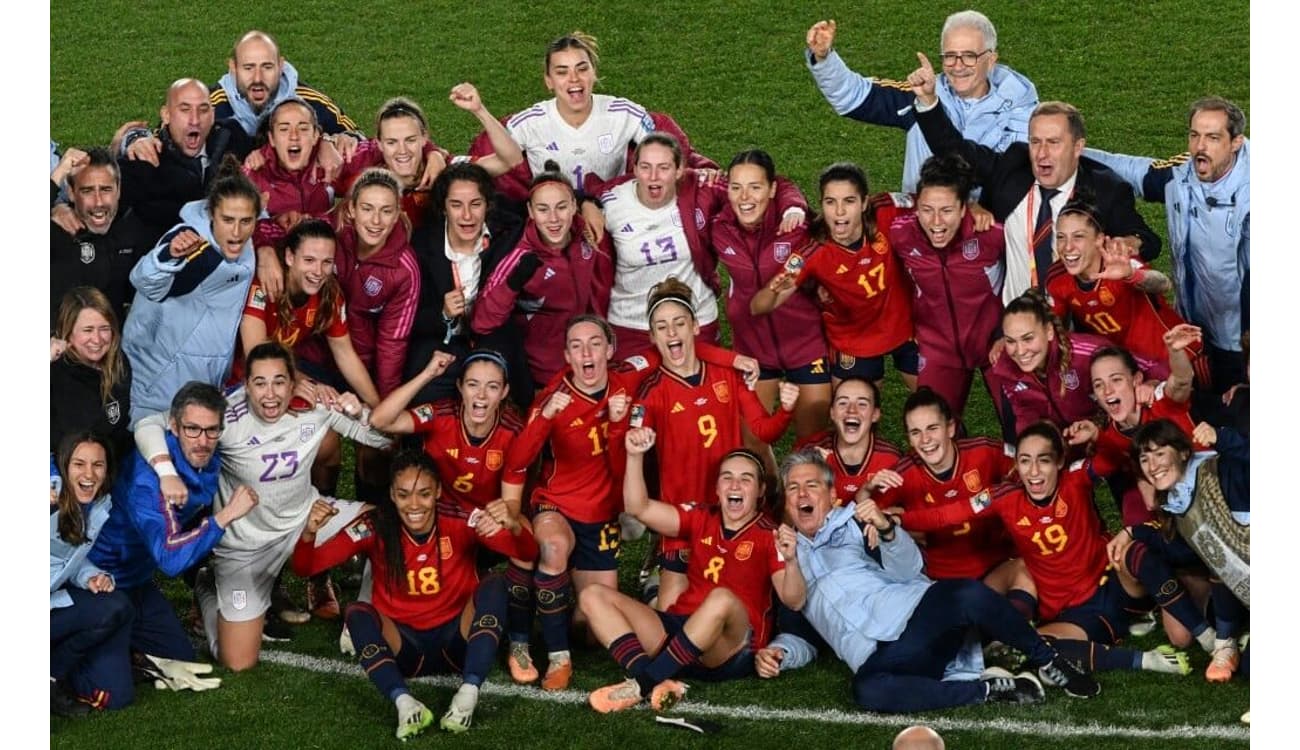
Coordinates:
(193, 431)
(967, 58)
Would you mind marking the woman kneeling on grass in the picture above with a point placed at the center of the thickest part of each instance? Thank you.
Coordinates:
(430, 613)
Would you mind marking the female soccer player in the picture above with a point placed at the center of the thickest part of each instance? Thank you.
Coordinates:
(430, 613)
(90, 383)
(698, 408)
(738, 559)
(957, 271)
(870, 310)
(90, 623)
(750, 239)
(852, 448)
(1108, 292)
(553, 274)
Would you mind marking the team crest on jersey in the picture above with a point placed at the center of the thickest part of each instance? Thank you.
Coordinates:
(1106, 297)
(239, 598)
(970, 250)
(847, 361)
(1071, 379)
(444, 547)
(373, 286)
(722, 392)
(113, 411)
(781, 251)
(494, 460)
(87, 253)
(699, 219)
(605, 141)
(676, 219)
(1061, 508)
(972, 480)
(744, 551)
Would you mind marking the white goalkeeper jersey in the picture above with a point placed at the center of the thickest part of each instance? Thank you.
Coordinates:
(598, 146)
(273, 458)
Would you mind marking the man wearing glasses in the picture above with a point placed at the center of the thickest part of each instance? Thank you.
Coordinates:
(989, 103)
(149, 530)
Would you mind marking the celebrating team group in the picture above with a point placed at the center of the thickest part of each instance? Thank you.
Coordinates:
(524, 345)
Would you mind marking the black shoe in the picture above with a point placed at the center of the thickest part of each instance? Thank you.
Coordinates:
(274, 630)
(64, 703)
(1020, 689)
(1063, 673)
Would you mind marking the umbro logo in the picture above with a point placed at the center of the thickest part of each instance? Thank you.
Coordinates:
(701, 401)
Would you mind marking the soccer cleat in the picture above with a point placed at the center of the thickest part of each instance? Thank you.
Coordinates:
(1245, 718)
(1167, 659)
(345, 643)
(1143, 625)
(275, 631)
(64, 703)
(1223, 662)
(619, 697)
(460, 714)
(999, 654)
(558, 674)
(322, 599)
(1004, 687)
(283, 607)
(1063, 673)
(667, 694)
(413, 717)
(522, 670)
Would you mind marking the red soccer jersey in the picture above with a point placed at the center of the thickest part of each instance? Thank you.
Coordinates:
(881, 454)
(298, 337)
(965, 550)
(1112, 451)
(1117, 310)
(471, 471)
(577, 476)
(440, 575)
(871, 312)
(742, 561)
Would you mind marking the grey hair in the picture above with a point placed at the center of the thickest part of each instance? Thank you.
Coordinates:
(971, 19)
(806, 456)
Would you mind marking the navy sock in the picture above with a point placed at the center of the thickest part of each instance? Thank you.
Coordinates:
(485, 630)
(1024, 602)
(1229, 612)
(367, 631)
(1155, 575)
(631, 656)
(554, 604)
(519, 615)
(677, 653)
(1095, 657)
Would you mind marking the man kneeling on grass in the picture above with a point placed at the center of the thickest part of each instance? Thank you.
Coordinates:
(726, 613)
(899, 631)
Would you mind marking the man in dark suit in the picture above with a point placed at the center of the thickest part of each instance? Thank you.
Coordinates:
(1026, 186)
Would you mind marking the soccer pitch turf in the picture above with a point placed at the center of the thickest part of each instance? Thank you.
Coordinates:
(731, 74)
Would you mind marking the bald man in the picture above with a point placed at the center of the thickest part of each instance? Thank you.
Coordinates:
(918, 738)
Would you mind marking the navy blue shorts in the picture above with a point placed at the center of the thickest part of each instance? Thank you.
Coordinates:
(439, 650)
(675, 561)
(596, 546)
(1105, 617)
(906, 360)
(813, 373)
(739, 666)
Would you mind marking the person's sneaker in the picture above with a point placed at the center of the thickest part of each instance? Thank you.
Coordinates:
(617, 697)
(522, 670)
(558, 674)
(1167, 659)
(1063, 673)
(322, 599)
(1004, 687)
(461, 713)
(667, 694)
(1223, 662)
(275, 631)
(413, 717)
(631, 529)
(64, 703)
(1143, 625)
(283, 606)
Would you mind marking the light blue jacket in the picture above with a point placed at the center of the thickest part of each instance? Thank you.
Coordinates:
(242, 110)
(1209, 245)
(996, 120)
(183, 323)
(70, 563)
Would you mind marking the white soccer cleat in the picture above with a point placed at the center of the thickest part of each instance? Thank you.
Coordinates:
(460, 714)
(413, 717)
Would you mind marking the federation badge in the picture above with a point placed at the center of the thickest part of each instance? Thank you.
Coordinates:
(1061, 508)
(239, 598)
(1071, 379)
(1106, 297)
(973, 481)
(444, 547)
(847, 361)
(373, 286)
(113, 411)
(605, 141)
(744, 550)
(970, 250)
(781, 251)
(494, 460)
(87, 253)
(305, 432)
(723, 393)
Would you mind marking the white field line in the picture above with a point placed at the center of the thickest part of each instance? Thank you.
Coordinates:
(823, 716)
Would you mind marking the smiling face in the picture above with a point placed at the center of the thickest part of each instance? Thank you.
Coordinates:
(205, 424)
(939, 212)
(552, 207)
(293, 135)
(87, 469)
(401, 140)
(739, 486)
(749, 192)
(1213, 149)
(1038, 466)
(571, 77)
(311, 265)
(1027, 340)
(466, 210)
(415, 494)
(1079, 244)
(587, 353)
(232, 225)
(256, 69)
(188, 117)
(375, 212)
(673, 330)
(269, 386)
(968, 82)
(1114, 387)
(931, 436)
(92, 336)
(854, 412)
(808, 498)
(1053, 150)
(842, 207)
(657, 173)
(1162, 466)
(95, 197)
(482, 388)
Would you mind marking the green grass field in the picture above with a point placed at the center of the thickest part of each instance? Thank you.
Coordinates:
(732, 75)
